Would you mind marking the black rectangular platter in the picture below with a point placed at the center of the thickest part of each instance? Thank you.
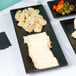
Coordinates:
(68, 26)
(57, 51)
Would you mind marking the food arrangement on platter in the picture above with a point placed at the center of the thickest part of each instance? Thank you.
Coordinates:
(38, 44)
(30, 20)
(64, 7)
(74, 33)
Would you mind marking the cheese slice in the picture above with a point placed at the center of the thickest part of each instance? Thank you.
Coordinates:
(75, 23)
(39, 50)
(74, 34)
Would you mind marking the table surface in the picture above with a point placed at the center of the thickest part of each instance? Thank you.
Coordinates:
(11, 63)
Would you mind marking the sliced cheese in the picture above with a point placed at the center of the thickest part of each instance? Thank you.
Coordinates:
(74, 34)
(75, 23)
(39, 50)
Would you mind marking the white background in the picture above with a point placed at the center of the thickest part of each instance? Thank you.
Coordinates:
(11, 63)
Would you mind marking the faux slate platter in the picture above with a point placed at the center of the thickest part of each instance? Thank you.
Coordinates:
(24, 48)
(68, 26)
(4, 41)
(55, 14)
